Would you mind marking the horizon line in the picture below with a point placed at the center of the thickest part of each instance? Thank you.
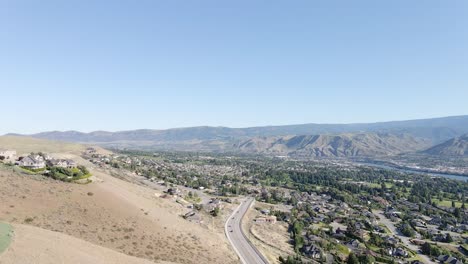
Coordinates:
(247, 127)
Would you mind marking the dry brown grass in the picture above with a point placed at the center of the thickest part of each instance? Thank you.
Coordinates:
(271, 239)
(119, 215)
(24, 145)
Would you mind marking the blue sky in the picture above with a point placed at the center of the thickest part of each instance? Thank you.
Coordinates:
(118, 65)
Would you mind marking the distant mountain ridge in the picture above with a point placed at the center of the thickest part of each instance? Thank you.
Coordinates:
(205, 138)
(453, 147)
(343, 145)
(436, 129)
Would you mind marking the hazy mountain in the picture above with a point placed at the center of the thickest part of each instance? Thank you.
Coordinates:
(204, 138)
(454, 147)
(344, 145)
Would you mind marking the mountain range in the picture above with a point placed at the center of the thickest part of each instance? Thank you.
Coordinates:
(453, 147)
(343, 145)
(317, 140)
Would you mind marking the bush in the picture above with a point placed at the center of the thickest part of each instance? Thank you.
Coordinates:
(68, 174)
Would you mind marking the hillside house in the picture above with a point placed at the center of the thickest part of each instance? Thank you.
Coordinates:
(32, 162)
(63, 163)
(397, 252)
(448, 259)
(173, 191)
(312, 251)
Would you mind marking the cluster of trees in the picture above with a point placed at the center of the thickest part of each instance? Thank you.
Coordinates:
(430, 250)
(296, 234)
(362, 259)
(407, 230)
(67, 174)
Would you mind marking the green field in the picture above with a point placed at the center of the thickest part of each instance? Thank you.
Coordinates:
(6, 231)
(447, 203)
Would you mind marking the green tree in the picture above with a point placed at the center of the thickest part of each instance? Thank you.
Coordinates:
(448, 238)
(352, 259)
(457, 212)
(366, 259)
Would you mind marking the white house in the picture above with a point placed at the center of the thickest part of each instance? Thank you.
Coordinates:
(32, 162)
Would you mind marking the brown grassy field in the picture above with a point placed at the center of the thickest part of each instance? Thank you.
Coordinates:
(37, 245)
(111, 213)
(272, 240)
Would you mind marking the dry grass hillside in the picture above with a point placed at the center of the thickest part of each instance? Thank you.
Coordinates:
(27, 144)
(40, 246)
(110, 213)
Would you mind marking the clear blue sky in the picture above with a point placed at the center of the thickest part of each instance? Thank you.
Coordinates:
(117, 65)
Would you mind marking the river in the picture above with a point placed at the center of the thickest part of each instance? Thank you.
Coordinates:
(449, 176)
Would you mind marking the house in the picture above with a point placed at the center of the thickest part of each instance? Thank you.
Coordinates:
(390, 240)
(213, 204)
(448, 259)
(419, 223)
(32, 162)
(7, 154)
(312, 252)
(216, 202)
(63, 163)
(266, 219)
(397, 252)
(353, 244)
(265, 211)
(173, 191)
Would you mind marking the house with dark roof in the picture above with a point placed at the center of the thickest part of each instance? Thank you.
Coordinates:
(63, 163)
(32, 162)
(448, 259)
(312, 251)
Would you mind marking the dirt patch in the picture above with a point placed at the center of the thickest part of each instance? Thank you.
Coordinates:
(272, 240)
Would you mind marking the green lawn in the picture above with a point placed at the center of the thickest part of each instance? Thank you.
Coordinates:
(6, 231)
(387, 231)
(342, 249)
(447, 203)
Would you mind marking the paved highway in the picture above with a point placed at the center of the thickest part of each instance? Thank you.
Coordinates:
(247, 252)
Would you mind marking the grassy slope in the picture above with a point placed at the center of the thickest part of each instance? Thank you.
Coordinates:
(118, 215)
(24, 145)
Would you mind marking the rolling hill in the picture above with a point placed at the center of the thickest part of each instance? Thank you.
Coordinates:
(454, 147)
(343, 145)
(111, 220)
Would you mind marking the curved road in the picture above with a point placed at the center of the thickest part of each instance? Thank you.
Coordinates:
(406, 240)
(246, 251)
